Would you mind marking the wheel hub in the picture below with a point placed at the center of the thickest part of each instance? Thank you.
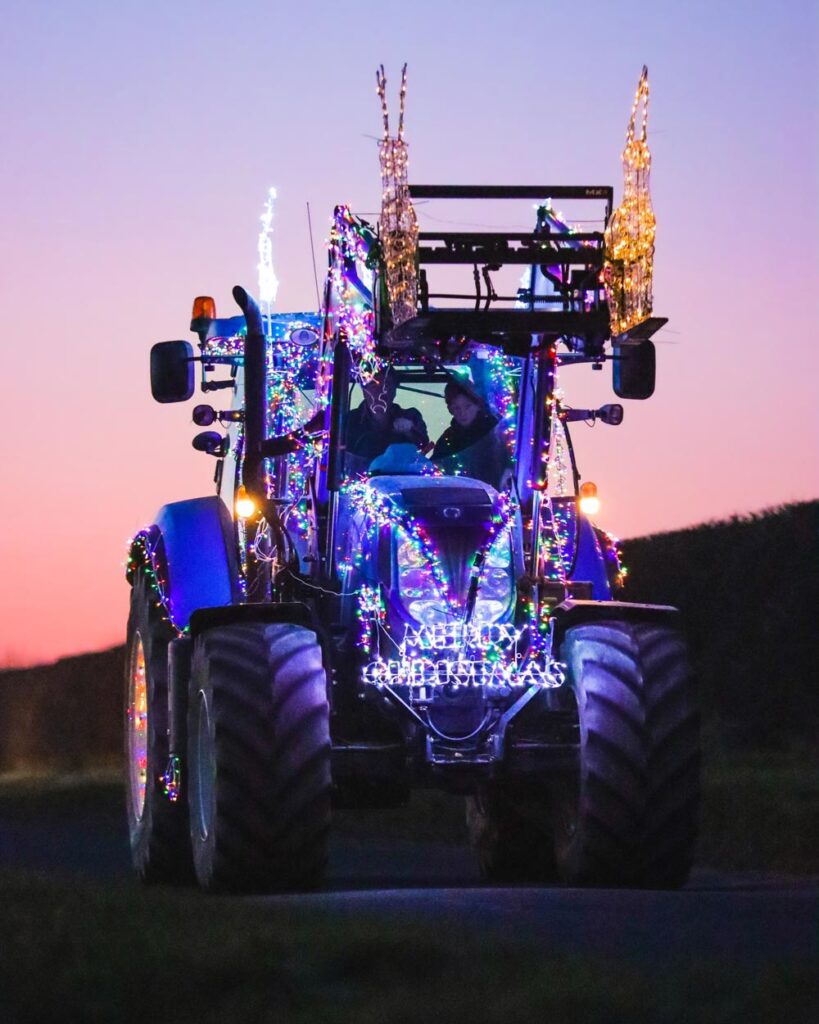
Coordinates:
(204, 768)
(137, 725)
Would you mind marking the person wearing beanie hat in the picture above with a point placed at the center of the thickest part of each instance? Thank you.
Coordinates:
(470, 420)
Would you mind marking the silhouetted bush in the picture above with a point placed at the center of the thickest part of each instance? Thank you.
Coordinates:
(749, 592)
(66, 716)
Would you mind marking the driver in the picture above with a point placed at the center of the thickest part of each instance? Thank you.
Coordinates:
(378, 422)
(470, 421)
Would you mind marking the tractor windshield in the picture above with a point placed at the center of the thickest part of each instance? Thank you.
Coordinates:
(454, 419)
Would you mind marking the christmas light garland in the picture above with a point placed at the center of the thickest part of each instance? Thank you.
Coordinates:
(503, 395)
(398, 224)
(370, 612)
(630, 234)
(145, 552)
(354, 250)
(610, 545)
(380, 511)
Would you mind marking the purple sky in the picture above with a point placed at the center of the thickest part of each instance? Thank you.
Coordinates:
(138, 144)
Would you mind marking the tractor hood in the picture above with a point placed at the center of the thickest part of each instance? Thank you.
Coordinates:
(454, 513)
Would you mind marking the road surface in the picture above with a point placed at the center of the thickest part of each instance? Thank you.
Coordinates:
(747, 918)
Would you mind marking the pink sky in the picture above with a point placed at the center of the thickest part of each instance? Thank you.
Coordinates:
(139, 141)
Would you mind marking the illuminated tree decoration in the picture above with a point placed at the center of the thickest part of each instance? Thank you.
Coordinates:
(268, 282)
(630, 233)
(398, 223)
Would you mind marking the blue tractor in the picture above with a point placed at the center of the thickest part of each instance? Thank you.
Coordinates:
(398, 583)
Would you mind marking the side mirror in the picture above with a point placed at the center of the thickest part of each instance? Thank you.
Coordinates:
(211, 442)
(172, 371)
(611, 414)
(634, 368)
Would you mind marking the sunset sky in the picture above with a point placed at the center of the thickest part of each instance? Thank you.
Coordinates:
(138, 144)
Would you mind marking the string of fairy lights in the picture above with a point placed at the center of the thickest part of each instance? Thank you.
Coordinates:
(630, 234)
(503, 394)
(354, 253)
(398, 223)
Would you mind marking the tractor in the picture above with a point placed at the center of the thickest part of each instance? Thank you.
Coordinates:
(398, 582)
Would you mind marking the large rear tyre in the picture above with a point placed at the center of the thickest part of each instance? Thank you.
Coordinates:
(259, 758)
(158, 829)
(629, 815)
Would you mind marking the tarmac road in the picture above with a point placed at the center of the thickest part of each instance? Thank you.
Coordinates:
(746, 919)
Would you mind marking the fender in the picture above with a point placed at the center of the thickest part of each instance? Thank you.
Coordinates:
(190, 551)
(590, 564)
(575, 613)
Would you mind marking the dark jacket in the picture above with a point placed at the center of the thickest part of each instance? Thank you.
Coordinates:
(455, 438)
(366, 439)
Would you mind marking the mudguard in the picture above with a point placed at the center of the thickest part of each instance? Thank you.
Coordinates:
(575, 613)
(590, 565)
(191, 553)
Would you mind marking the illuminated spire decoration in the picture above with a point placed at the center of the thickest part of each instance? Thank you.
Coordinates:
(268, 282)
(631, 230)
(398, 224)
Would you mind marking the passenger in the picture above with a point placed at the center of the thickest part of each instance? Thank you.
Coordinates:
(470, 421)
(378, 422)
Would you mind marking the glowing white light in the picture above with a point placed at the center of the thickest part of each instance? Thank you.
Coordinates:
(268, 282)
(425, 674)
(245, 505)
(590, 504)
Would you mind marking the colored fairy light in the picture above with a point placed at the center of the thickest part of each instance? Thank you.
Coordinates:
(503, 395)
(171, 779)
(224, 347)
(144, 552)
(398, 223)
(629, 236)
(380, 510)
(268, 282)
(371, 613)
(557, 524)
(354, 253)
(449, 650)
(610, 546)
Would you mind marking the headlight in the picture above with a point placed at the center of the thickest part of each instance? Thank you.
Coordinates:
(495, 587)
(428, 613)
(409, 554)
(499, 555)
(416, 584)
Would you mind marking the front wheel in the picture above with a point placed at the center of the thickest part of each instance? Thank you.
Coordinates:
(629, 814)
(259, 758)
(157, 828)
